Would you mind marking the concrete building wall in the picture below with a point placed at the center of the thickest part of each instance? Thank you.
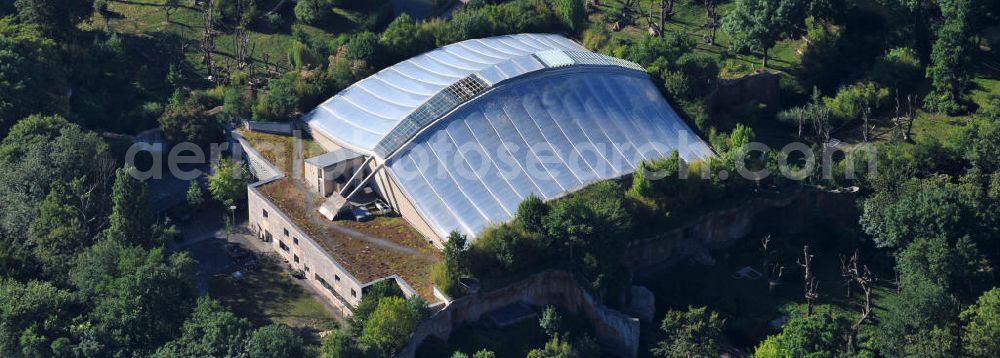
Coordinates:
(290, 243)
(323, 141)
(393, 195)
(323, 181)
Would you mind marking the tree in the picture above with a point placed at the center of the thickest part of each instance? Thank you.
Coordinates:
(195, 195)
(338, 344)
(312, 11)
(950, 58)
(131, 219)
(696, 332)
(35, 316)
(571, 13)
(39, 151)
(824, 334)
(554, 348)
(31, 78)
(918, 208)
(981, 326)
(758, 24)
(280, 103)
(531, 213)
(957, 268)
(140, 297)
(210, 331)
(796, 116)
(58, 232)
(186, 119)
(865, 279)
(899, 69)
(227, 183)
(389, 327)
(920, 308)
(54, 17)
(274, 340)
(550, 321)
(820, 116)
(403, 38)
(369, 301)
(858, 100)
(363, 46)
(809, 283)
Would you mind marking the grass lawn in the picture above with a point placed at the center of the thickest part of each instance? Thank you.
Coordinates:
(268, 295)
(689, 19)
(149, 18)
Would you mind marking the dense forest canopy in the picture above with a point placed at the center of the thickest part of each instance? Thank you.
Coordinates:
(84, 270)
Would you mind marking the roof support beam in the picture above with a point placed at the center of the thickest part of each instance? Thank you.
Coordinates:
(356, 172)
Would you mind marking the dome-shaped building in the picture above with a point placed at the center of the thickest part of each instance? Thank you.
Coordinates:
(454, 139)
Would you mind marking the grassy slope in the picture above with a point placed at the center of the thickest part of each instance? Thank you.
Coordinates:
(148, 17)
(689, 19)
(268, 295)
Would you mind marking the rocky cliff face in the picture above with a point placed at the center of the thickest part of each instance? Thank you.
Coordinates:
(723, 228)
(615, 331)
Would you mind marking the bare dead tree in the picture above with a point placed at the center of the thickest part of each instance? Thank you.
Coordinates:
(666, 12)
(712, 20)
(911, 115)
(865, 280)
(772, 271)
(208, 37)
(809, 281)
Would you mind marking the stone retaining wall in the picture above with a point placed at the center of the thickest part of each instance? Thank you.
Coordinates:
(723, 228)
(615, 331)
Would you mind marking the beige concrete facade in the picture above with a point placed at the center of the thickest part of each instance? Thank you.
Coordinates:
(332, 179)
(339, 286)
(301, 252)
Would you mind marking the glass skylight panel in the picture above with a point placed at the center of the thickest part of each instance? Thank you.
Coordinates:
(554, 58)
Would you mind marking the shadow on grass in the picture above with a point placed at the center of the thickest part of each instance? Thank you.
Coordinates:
(268, 295)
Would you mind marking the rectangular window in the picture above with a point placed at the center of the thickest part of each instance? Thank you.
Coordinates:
(295, 240)
(336, 278)
(282, 245)
(325, 285)
(267, 236)
(286, 231)
(295, 258)
(354, 294)
(265, 212)
(306, 267)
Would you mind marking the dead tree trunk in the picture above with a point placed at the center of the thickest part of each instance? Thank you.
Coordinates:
(809, 281)
(865, 279)
(772, 271)
(208, 38)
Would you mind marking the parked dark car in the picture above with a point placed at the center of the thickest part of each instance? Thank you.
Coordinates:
(360, 214)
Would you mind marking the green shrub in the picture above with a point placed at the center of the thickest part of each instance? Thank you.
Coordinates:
(363, 46)
(531, 212)
(312, 11)
(571, 13)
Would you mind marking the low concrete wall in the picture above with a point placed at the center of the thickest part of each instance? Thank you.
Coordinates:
(281, 128)
(723, 228)
(615, 331)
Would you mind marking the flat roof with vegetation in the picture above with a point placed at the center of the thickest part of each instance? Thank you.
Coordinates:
(372, 250)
